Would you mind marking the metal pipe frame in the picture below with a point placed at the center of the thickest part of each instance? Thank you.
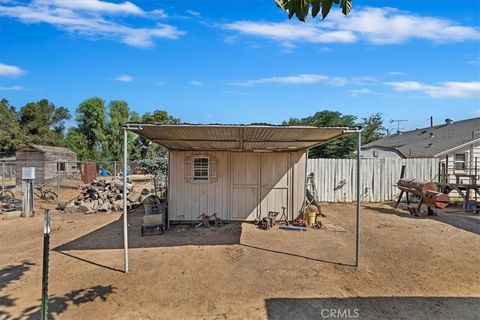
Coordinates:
(125, 190)
(358, 209)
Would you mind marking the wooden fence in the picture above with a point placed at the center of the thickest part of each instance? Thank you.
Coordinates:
(336, 178)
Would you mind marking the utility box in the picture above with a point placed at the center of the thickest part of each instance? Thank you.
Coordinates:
(28, 173)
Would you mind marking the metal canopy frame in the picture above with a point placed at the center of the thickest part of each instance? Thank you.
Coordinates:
(241, 141)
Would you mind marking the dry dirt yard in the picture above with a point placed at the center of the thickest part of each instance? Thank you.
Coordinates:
(411, 268)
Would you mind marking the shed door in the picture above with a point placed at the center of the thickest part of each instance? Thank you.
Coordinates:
(245, 175)
(274, 182)
(260, 183)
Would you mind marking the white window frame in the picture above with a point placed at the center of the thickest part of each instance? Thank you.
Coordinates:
(463, 163)
(202, 178)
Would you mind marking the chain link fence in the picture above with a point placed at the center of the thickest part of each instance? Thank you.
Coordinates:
(59, 182)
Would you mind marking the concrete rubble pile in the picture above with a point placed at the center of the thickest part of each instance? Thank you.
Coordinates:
(105, 196)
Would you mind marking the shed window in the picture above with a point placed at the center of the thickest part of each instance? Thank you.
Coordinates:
(61, 166)
(460, 161)
(200, 169)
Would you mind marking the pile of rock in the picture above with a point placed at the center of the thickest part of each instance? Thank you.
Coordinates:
(104, 196)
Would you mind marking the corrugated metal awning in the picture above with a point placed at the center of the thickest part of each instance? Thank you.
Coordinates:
(237, 137)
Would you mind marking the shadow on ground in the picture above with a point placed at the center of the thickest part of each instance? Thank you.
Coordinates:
(111, 236)
(58, 305)
(8, 275)
(455, 218)
(438, 308)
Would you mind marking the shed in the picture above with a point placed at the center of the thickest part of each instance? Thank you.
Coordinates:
(44, 159)
(241, 172)
(238, 171)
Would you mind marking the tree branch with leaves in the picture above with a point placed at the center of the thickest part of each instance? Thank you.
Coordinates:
(300, 8)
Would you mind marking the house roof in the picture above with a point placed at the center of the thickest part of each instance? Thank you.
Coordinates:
(237, 137)
(47, 149)
(433, 141)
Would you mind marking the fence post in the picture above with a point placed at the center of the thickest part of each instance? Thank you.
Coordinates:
(46, 249)
(3, 176)
(58, 184)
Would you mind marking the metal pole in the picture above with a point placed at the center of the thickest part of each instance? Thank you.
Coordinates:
(3, 176)
(46, 249)
(125, 222)
(357, 229)
(58, 184)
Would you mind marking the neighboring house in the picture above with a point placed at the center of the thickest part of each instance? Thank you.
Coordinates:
(44, 159)
(454, 143)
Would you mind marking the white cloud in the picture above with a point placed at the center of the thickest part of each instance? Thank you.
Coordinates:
(95, 6)
(441, 90)
(196, 83)
(193, 13)
(306, 79)
(290, 32)
(86, 18)
(379, 26)
(12, 88)
(295, 79)
(124, 78)
(10, 70)
(396, 73)
(356, 92)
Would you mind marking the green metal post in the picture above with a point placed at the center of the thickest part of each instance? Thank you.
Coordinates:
(46, 249)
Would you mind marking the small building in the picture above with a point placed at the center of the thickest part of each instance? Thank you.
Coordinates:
(241, 172)
(45, 160)
(455, 144)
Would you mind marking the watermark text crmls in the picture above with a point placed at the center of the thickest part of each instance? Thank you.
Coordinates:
(338, 313)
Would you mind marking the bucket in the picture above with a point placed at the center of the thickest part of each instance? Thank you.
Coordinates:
(310, 217)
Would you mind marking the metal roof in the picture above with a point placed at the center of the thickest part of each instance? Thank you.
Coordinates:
(237, 137)
(46, 149)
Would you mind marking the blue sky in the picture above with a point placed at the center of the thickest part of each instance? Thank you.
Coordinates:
(244, 61)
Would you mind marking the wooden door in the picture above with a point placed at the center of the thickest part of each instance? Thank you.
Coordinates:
(274, 182)
(245, 191)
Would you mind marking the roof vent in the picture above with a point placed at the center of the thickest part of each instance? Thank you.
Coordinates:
(448, 121)
(432, 135)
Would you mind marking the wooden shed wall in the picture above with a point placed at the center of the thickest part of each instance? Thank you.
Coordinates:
(31, 158)
(45, 163)
(246, 185)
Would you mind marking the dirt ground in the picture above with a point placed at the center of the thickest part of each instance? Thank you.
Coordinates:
(410, 268)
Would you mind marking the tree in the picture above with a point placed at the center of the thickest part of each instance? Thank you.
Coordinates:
(90, 116)
(12, 137)
(343, 147)
(373, 128)
(152, 157)
(300, 8)
(43, 122)
(118, 115)
(142, 148)
(340, 148)
(76, 142)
